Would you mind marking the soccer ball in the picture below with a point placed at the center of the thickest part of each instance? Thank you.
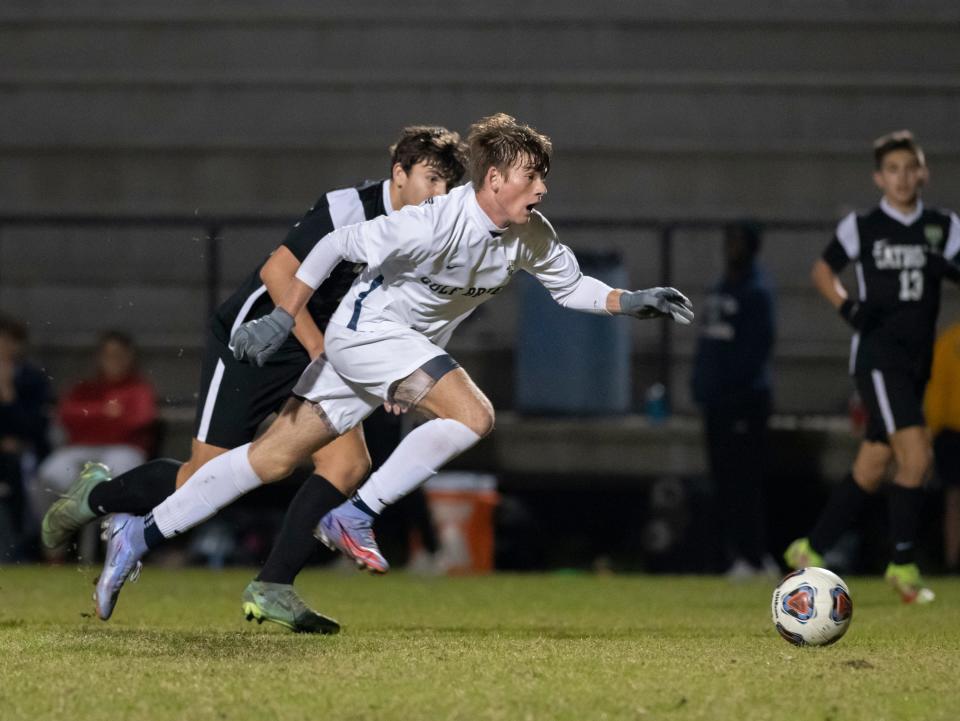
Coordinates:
(812, 607)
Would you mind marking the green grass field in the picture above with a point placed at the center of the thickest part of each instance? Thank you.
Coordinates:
(501, 647)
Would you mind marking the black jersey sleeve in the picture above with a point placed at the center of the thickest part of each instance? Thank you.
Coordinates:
(311, 228)
(835, 256)
(944, 267)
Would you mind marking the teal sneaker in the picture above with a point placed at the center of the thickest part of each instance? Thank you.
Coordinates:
(70, 512)
(800, 554)
(907, 582)
(280, 603)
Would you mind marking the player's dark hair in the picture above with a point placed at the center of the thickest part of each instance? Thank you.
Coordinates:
(438, 147)
(499, 141)
(13, 328)
(897, 140)
(750, 231)
(118, 337)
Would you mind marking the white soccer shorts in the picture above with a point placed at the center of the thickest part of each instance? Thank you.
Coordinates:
(355, 373)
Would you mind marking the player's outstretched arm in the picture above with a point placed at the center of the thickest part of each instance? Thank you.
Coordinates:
(652, 303)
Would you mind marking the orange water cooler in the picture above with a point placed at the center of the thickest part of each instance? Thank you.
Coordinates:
(462, 505)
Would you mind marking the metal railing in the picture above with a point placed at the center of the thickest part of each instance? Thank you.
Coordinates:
(213, 227)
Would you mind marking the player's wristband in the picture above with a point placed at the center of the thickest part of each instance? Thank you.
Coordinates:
(850, 311)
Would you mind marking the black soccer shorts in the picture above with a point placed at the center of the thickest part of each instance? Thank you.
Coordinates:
(236, 397)
(893, 399)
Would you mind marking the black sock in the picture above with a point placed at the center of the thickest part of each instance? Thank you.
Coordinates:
(296, 544)
(358, 502)
(136, 491)
(151, 534)
(841, 512)
(905, 505)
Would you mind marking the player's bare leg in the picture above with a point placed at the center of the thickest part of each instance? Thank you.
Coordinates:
(339, 468)
(461, 415)
(846, 500)
(345, 461)
(200, 453)
(871, 465)
(911, 448)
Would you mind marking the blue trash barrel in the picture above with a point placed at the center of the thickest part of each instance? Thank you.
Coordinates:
(572, 363)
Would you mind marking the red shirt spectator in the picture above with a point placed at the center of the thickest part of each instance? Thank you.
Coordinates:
(118, 407)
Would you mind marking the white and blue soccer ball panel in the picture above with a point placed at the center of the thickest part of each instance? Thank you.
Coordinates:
(811, 607)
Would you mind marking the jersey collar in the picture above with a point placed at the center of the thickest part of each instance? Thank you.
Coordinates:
(387, 205)
(900, 217)
(482, 218)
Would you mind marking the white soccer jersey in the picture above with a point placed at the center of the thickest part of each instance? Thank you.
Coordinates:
(430, 266)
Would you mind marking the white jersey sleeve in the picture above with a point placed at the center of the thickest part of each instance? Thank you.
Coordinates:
(952, 248)
(403, 236)
(556, 267)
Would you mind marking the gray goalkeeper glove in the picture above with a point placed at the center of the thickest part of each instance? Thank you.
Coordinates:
(657, 303)
(259, 339)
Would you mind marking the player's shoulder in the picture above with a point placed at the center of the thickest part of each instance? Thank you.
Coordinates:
(848, 227)
(537, 230)
(933, 214)
(440, 212)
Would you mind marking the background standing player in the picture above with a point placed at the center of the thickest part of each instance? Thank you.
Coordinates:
(731, 382)
(236, 397)
(901, 251)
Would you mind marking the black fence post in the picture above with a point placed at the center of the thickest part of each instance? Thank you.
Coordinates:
(212, 254)
(666, 325)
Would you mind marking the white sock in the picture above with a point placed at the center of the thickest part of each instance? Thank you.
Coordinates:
(216, 484)
(418, 457)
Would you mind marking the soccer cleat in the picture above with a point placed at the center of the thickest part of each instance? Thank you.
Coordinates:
(124, 551)
(800, 554)
(281, 604)
(906, 581)
(70, 512)
(349, 530)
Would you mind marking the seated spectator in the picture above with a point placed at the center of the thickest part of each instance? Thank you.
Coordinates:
(108, 419)
(24, 395)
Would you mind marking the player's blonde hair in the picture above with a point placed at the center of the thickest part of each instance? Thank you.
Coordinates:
(499, 141)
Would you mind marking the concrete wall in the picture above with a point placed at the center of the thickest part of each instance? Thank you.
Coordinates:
(664, 109)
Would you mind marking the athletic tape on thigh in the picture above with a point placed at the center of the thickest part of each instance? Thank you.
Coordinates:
(318, 409)
(409, 391)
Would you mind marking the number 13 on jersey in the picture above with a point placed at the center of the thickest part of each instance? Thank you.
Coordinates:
(911, 284)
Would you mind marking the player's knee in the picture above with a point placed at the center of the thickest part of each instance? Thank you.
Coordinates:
(480, 418)
(914, 468)
(346, 477)
(271, 464)
(869, 479)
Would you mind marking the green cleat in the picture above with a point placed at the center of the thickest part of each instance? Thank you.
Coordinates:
(70, 512)
(906, 581)
(280, 603)
(800, 554)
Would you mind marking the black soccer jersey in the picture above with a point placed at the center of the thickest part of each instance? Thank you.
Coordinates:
(333, 210)
(899, 266)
